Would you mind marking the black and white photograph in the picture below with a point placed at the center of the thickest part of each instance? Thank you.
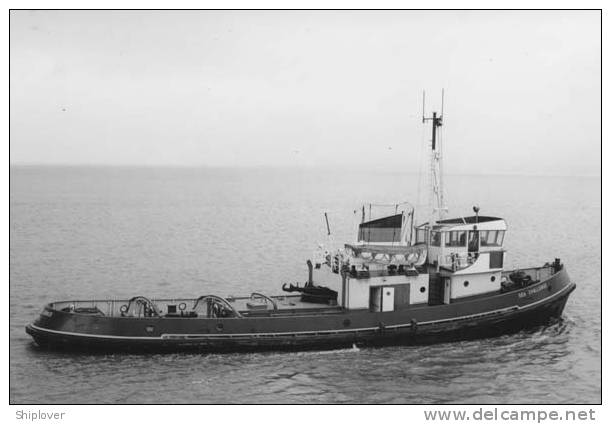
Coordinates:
(287, 207)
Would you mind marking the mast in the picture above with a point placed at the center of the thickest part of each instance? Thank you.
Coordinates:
(437, 207)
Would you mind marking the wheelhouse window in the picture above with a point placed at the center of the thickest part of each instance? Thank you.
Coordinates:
(474, 241)
(483, 238)
(421, 235)
(435, 238)
(492, 238)
(456, 238)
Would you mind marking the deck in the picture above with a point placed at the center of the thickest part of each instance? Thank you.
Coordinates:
(254, 305)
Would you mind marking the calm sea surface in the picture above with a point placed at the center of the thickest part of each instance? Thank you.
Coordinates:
(119, 232)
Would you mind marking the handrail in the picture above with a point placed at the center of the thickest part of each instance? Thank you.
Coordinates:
(143, 300)
(458, 261)
(220, 300)
(273, 302)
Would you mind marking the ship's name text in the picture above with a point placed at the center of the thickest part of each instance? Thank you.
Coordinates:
(531, 291)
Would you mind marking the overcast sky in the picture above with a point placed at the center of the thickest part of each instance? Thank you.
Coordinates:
(328, 88)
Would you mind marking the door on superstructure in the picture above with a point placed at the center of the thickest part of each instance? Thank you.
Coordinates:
(447, 291)
(375, 299)
(402, 292)
(388, 299)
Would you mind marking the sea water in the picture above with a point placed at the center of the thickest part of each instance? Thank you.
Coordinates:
(104, 232)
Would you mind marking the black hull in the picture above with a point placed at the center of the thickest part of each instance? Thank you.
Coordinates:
(483, 317)
(541, 316)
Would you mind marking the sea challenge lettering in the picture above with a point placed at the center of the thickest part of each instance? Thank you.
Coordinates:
(39, 415)
(530, 292)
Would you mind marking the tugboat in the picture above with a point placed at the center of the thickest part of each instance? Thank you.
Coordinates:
(398, 283)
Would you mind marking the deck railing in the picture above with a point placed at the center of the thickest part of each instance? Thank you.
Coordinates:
(456, 261)
(112, 307)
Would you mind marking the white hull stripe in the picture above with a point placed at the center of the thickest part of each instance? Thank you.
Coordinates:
(291, 333)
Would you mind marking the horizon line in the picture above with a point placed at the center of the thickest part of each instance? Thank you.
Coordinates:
(301, 167)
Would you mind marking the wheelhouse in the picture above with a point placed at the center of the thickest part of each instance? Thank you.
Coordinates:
(465, 256)
(454, 244)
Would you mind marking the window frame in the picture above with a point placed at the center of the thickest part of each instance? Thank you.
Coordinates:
(496, 241)
(424, 233)
(451, 241)
(438, 243)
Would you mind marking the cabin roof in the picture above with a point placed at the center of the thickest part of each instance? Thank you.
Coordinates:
(464, 220)
(469, 220)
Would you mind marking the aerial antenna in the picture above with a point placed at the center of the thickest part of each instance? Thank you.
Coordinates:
(423, 97)
(328, 228)
(436, 200)
(442, 102)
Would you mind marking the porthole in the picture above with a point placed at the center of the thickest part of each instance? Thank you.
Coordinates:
(219, 327)
(149, 329)
(466, 284)
(492, 278)
(346, 323)
(422, 289)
